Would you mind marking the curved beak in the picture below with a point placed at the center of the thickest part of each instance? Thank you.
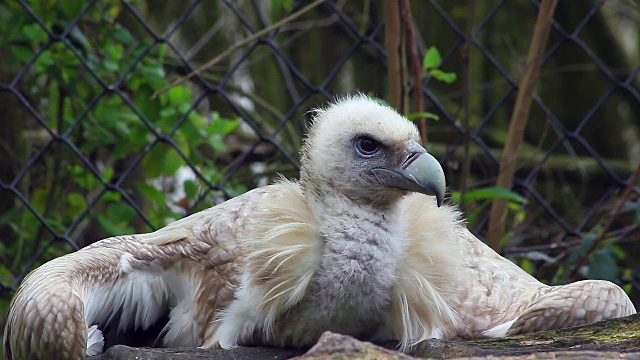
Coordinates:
(419, 172)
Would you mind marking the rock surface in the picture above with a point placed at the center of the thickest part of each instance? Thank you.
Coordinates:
(121, 352)
(613, 339)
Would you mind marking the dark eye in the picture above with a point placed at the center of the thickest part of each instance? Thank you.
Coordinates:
(366, 146)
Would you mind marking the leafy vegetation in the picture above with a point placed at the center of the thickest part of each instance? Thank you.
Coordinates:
(431, 65)
(100, 66)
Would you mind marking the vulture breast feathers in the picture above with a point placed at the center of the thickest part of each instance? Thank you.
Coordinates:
(360, 245)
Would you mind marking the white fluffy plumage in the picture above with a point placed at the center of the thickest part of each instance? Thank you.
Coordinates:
(355, 246)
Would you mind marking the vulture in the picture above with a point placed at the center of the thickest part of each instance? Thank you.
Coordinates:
(361, 244)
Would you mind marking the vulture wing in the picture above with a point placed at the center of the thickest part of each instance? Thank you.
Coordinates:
(490, 295)
(187, 270)
(502, 299)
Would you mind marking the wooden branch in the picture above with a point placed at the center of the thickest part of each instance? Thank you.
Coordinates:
(416, 67)
(393, 41)
(519, 118)
(240, 43)
(596, 243)
(569, 165)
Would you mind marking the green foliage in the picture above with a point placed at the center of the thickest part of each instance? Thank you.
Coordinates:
(604, 259)
(412, 116)
(431, 63)
(493, 192)
(282, 4)
(423, 114)
(479, 199)
(112, 133)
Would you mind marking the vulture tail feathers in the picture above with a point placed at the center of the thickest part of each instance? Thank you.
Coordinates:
(499, 330)
(75, 297)
(95, 341)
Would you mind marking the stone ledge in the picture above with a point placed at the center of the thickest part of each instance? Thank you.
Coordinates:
(612, 339)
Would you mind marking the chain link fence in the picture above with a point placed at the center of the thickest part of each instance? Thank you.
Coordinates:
(89, 151)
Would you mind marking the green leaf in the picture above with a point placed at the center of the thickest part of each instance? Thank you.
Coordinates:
(153, 161)
(79, 40)
(172, 162)
(120, 213)
(107, 174)
(628, 287)
(177, 95)
(582, 249)
(111, 196)
(473, 215)
(46, 59)
(449, 77)
(446, 77)
(216, 142)
(191, 189)
(167, 112)
(527, 266)
(379, 101)
(22, 53)
(71, 8)
(162, 160)
(152, 75)
(150, 108)
(123, 35)
(34, 32)
(222, 126)
(432, 58)
(456, 197)
(284, 4)
(111, 228)
(113, 51)
(184, 144)
(494, 192)
(603, 266)
(138, 137)
(123, 129)
(618, 251)
(40, 197)
(194, 129)
(110, 65)
(151, 193)
(77, 200)
(427, 115)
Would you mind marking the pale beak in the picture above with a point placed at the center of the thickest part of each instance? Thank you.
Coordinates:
(419, 172)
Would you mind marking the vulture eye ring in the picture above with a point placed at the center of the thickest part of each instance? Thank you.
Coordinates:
(367, 147)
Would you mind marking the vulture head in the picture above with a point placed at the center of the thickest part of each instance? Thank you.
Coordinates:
(375, 157)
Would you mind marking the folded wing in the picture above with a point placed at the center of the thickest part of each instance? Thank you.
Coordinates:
(185, 271)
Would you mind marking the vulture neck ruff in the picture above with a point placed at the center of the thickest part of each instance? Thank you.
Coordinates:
(362, 244)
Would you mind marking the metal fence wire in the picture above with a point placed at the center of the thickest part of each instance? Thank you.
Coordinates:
(69, 177)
